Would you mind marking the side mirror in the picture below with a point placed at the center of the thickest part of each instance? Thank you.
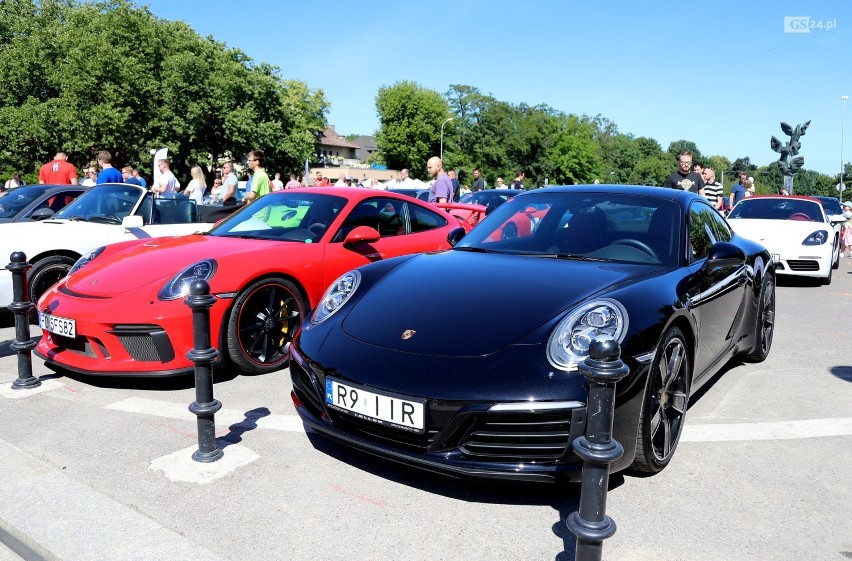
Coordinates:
(42, 213)
(361, 234)
(455, 236)
(724, 254)
(132, 222)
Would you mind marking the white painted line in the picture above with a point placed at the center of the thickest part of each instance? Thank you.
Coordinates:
(774, 430)
(777, 430)
(224, 417)
(179, 466)
(46, 386)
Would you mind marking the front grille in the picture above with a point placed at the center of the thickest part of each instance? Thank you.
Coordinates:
(390, 436)
(519, 435)
(305, 389)
(80, 345)
(145, 343)
(803, 265)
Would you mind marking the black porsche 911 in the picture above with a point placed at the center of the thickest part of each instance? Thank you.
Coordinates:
(464, 362)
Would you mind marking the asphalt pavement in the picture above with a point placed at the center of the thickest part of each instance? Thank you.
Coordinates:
(100, 469)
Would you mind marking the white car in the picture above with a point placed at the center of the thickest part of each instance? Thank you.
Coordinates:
(795, 230)
(102, 215)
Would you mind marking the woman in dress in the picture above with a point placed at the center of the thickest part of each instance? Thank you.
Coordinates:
(197, 186)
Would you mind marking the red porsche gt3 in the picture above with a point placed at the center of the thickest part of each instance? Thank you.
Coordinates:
(121, 309)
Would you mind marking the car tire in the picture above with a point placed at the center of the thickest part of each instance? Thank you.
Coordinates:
(47, 272)
(826, 280)
(836, 264)
(510, 232)
(262, 323)
(664, 407)
(764, 323)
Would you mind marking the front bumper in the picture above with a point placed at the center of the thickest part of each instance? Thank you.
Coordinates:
(127, 336)
(462, 439)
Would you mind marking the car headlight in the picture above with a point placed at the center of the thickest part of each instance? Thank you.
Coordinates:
(178, 287)
(569, 342)
(336, 296)
(86, 259)
(817, 238)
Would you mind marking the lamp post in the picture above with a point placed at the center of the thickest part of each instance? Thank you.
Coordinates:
(442, 136)
(843, 99)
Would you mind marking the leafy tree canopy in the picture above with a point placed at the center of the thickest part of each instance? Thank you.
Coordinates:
(87, 76)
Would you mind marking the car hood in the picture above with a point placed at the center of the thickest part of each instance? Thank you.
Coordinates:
(460, 304)
(157, 260)
(776, 234)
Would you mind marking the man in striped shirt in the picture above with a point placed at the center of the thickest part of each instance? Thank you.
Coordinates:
(713, 190)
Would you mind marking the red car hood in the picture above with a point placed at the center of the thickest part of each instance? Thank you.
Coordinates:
(156, 261)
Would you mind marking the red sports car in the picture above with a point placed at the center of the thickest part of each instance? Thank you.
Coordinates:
(121, 310)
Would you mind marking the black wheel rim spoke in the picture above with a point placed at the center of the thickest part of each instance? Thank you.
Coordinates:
(670, 400)
(271, 317)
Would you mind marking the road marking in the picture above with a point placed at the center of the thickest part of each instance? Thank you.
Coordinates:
(225, 417)
(776, 430)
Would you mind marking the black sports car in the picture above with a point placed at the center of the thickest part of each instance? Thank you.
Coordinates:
(36, 202)
(483, 382)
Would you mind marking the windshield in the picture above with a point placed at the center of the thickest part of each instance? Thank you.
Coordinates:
(584, 226)
(778, 208)
(287, 215)
(15, 200)
(104, 202)
(831, 205)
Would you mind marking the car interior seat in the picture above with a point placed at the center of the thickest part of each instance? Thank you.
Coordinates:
(584, 232)
(186, 212)
(662, 233)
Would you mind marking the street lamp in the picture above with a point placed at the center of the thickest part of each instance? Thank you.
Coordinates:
(843, 99)
(442, 136)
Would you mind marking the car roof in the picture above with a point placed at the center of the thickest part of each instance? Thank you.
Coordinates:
(785, 197)
(676, 195)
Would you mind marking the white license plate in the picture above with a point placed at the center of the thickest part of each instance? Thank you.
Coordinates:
(55, 324)
(776, 258)
(383, 409)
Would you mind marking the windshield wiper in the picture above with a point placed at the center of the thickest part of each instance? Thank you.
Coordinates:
(576, 257)
(76, 218)
(474, 249)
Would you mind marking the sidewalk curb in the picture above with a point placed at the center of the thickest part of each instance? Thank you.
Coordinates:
(46, 515)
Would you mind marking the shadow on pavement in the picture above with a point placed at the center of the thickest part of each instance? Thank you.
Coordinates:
(842, 372)
(6, 350)
(563, 497)
(237, 429)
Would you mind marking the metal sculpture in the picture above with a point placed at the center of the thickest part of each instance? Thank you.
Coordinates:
(790, 166)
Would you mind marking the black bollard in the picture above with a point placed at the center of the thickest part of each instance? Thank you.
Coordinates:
(203, 355)
(603, 368)
(21, 307)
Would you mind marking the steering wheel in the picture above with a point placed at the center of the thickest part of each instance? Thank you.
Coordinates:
(799, 216)
(642, 246)
(317, 228)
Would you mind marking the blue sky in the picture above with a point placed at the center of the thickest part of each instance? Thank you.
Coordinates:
(722, 74)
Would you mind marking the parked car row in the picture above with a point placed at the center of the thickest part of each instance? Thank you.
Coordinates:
(357, 291)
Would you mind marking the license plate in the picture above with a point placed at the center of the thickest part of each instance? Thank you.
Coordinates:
(391, 410)
(776, 258)
(55, 324)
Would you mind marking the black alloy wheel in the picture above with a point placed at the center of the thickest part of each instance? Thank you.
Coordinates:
(262, 324)
(764, 327)
(664, 409)
(510, 231)
(47, 272)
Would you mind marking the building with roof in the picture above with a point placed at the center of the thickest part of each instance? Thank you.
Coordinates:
(335, 150)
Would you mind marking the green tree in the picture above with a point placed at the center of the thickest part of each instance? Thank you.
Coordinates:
(86, 76)
(574, 156)
(678, 146)
(410, 119)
